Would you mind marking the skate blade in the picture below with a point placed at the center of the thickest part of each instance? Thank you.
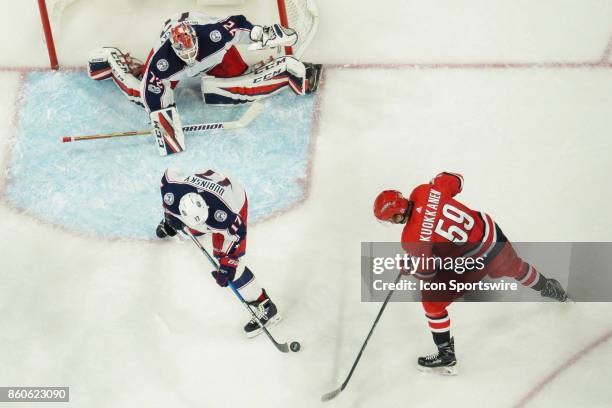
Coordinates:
(272, 322)
(452, 370)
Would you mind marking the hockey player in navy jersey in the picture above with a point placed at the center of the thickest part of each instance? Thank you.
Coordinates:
(194, 44)
(209, 202)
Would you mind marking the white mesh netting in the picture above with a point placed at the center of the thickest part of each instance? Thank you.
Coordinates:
(302, 16)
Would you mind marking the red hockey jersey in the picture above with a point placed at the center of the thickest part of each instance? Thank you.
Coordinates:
(441, 226)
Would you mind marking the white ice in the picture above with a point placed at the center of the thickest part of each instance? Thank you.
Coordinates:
(132, 324)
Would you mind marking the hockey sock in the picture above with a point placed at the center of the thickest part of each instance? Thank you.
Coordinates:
(442, 338)
(248, 286)
(263, 296)
(439, 324)
(531, 278)
(539, 285)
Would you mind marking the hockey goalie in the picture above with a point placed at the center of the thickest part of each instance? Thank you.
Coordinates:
(193, 44)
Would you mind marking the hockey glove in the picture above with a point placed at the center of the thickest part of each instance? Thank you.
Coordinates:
(164, 230)
(168, 226)
(174, 222)
(226, 272)
(271, 37)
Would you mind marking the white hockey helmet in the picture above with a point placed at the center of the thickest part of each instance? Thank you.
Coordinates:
(184, 42)
(193, 209)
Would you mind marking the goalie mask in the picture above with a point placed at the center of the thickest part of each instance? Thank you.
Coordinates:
(194, 210)
(184, 42)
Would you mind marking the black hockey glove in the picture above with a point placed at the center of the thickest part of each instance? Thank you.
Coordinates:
(168, 226)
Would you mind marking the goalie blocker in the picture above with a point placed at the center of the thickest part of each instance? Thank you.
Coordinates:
(168, 131)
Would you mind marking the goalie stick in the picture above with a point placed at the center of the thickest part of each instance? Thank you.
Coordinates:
(251, 113)
(283, 347)
(333, 394)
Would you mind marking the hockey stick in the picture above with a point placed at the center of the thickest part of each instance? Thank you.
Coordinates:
(281, 347)
(333, 394)
(247, 117)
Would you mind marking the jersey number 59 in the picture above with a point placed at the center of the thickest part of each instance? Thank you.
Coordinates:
(454, 233)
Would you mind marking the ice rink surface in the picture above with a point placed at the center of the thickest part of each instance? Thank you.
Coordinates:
(269, 157)
(516, 96)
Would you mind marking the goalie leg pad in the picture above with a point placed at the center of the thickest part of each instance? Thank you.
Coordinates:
(98, 67)
(313, 77)
(115, 63)
(168, 131)
(273, 77)
(124, 78)
(296, 73)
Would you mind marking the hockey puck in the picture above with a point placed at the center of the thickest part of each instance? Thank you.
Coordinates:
(295, 346)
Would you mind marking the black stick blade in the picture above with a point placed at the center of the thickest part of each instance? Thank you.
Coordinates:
(282, 347)
(331, 395)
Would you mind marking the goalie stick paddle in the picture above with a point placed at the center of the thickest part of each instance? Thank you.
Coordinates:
(251, 113)
(283, 347)
(333, 394)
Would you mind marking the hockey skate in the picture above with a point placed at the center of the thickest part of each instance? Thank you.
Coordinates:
(444, 362)
(553, 289)
(313, 76)
(266, 311)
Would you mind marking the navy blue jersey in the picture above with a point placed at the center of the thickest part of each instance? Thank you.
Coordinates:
(164, 67)
(225, 198)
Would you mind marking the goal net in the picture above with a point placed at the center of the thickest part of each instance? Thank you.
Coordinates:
(70, 25)
(302, 16)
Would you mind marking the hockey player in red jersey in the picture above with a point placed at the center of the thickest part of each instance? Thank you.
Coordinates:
(438, 225)
(194, 44)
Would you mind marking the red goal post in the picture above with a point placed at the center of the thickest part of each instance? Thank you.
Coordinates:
(44, 15)
(301, 15)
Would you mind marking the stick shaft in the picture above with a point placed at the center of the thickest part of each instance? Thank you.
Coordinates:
(189, 128)
(67, 139)
(254, 110)
(365, 343)
(281, 347)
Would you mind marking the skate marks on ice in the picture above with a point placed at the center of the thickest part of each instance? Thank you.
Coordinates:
(110, 187)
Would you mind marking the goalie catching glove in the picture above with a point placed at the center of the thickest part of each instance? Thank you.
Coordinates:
(272, 36)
